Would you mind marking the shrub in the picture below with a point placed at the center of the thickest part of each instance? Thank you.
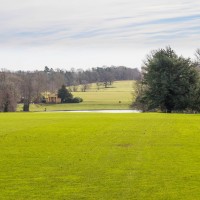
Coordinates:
(77, 100)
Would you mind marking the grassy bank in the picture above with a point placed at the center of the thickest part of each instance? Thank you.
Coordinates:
(116, 96)
(77, 106)
(99, 156)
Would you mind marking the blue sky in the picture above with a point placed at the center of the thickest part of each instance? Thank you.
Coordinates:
(90, 33)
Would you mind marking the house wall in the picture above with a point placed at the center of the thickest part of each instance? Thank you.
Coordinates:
(53, 100)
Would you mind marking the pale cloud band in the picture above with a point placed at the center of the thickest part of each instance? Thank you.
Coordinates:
(112, 26)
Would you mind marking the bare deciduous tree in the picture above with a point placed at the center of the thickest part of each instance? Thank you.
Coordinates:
(85, 86)
(8, 92)
(197, 54)
(26, 89)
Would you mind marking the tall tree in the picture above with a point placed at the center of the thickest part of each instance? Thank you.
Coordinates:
(170, 81)
(64, 94)
(8, 92)
(27, 89)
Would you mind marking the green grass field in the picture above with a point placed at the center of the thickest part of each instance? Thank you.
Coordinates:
(119, 91)
(117, 96)
(99, 156)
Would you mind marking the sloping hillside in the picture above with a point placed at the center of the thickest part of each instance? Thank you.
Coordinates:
(116, 96)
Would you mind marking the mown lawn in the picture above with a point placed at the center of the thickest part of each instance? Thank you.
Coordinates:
(99, 156)
(100, 105)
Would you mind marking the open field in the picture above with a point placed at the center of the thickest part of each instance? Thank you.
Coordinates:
(118, 96)
(99, 156)
(119, 91)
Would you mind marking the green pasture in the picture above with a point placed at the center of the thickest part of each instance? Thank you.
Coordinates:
(117, 96)
(119, 91)
(99, 156)
(116, 86)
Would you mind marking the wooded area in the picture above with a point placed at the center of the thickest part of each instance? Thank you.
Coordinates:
(27, 87)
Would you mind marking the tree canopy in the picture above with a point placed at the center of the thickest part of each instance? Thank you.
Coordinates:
(8, 93)
(169, 82)
(64, 94)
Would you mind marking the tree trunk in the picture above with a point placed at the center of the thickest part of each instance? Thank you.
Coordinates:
(169, 111)
(5, 107)
(26, 106)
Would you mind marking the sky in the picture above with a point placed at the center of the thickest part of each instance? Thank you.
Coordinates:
(83, 34)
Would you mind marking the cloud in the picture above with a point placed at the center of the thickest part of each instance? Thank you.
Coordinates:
(91, 24)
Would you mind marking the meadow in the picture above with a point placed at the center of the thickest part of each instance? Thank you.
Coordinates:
(117, 96)
(99, 156)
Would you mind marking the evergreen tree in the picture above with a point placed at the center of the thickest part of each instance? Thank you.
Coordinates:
(170, 82)
(65, 95)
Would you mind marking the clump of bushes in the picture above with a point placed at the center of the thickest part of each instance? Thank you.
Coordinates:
(77, 100)
(73, 100)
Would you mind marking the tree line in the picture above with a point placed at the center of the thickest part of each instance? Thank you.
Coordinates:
(27, 86)
(105, 75)
(169, 83)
